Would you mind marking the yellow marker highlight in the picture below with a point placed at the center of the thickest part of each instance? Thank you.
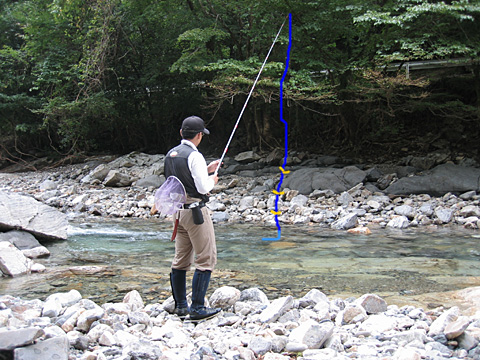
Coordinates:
(284, 171)
(278, 193)
(276, 212)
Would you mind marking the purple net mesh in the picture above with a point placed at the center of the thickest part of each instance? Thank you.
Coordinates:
(170, 197)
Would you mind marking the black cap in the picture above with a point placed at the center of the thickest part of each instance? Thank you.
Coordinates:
(194, 124)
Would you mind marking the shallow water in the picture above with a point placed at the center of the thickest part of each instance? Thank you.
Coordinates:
(106, 259)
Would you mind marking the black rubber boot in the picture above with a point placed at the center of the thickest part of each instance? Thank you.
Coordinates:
(200, 282)
(179, 292)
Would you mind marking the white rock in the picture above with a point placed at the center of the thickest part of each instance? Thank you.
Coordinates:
(134, 299)
(123, 338)
(86, 318)
(346, 222)
(352, 314)
(405, 210)
(276, 309)
(12, 261)
(107, 339)
(313, 297)
(378, 324)
(449, 316)
(373, 304)
(407, 353)
(224, 297)
(399, 222)
(312, 334)
(457, 327)
(95, 333)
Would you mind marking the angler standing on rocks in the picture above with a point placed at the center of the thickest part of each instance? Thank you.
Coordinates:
(195, 236)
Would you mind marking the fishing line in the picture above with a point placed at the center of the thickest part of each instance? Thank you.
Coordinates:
(248, 98)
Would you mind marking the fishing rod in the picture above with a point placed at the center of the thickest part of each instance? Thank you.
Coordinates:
(248, 98)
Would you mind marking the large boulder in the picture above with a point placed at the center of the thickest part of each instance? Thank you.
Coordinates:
(26, 213)
(337, 180)
(438, 181)
(12, 260)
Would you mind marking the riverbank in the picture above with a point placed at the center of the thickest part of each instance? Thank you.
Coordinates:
(349, 197)
(251, 326)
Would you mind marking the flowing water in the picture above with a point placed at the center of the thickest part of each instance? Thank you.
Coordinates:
(106, 259)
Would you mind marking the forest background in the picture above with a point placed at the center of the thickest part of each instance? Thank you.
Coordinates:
(114, 76)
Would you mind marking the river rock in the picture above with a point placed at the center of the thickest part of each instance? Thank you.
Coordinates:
(337, 180)
(353, 313)
(55, 348)
(312, 298)
(99, 173)
(149, 332)
(399, 222)
(405, 210)
(12, 261)
(154, 181)
(346, 222)
(373, 304)
(470, 210)
(115, 178)
(444, 215)
(254, 295)
(276, 309)
(439, 325)
(247, 156)
(134, 299)
(11, 339)
(457, 327)
(225, 297)
(260, 345)
(438, 181)
(26, 242)
(311, 333)
(28, 214)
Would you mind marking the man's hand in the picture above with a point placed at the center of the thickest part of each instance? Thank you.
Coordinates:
(213, 166)
(215, 178)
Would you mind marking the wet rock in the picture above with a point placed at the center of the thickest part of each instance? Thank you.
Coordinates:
(360, 230)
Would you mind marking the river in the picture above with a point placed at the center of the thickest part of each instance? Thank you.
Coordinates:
(105, 259)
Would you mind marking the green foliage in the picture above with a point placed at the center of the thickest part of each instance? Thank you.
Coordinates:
(199, 47)
(121, 74)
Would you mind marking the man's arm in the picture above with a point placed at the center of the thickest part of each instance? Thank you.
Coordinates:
(198, 167)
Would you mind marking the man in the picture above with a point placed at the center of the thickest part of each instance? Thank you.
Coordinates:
(195, 234)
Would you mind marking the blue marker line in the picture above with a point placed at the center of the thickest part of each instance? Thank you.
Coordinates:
(279, 230)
